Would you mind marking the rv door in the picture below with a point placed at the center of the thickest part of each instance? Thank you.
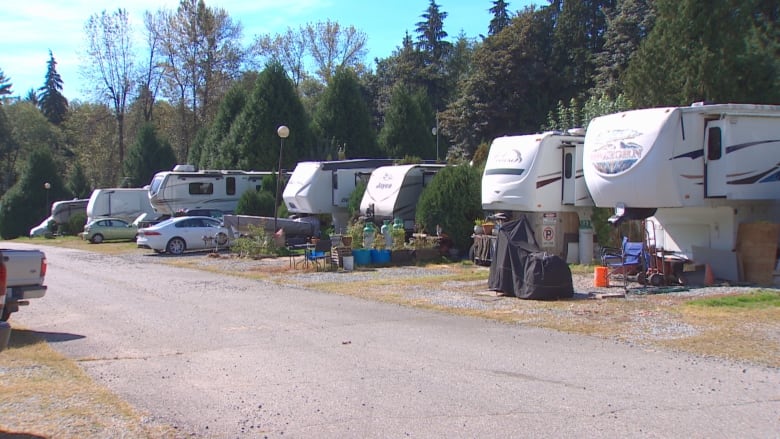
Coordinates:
(714, 160)
(568, 174)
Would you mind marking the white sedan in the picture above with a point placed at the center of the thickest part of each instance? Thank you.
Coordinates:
(176, 235)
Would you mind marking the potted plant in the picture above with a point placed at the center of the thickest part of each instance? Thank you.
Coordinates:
(401, 254)
(425, 248)
(361, 255)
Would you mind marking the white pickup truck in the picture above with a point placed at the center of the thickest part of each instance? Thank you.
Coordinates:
(25, 272)
(5, 328)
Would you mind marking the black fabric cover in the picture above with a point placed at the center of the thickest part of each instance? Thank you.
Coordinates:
(549, 276)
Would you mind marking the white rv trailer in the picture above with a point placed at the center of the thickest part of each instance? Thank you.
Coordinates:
(124, 203)
(540, 175)
(325, 187)
(393, 191)
(184, 188)
(61, 211)
(700, 171)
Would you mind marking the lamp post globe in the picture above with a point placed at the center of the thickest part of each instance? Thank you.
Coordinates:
(46, 186)
(283, 132)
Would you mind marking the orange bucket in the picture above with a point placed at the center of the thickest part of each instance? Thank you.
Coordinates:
(601, 277)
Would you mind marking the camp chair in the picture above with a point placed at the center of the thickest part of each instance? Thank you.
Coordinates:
(626, 263)
(320, 254)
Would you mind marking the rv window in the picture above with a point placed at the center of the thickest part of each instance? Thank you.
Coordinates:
(567, 165)
(201, 188)
(231, 185)
(713, 143)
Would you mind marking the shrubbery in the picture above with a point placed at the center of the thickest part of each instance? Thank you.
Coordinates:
(452, 200)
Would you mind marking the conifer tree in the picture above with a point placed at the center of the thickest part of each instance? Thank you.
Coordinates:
(52, 103)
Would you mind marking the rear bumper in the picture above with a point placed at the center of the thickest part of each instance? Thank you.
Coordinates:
(25, 292)
(5, 335)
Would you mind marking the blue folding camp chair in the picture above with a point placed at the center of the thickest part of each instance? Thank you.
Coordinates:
(626, 263)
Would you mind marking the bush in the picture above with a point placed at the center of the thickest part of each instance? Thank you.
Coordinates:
(353, 205)
(452, 200)
(75, 224)
(256, 203)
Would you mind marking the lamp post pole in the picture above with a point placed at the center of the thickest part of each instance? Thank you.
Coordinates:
(46, 186)
(435, 132)
(283, 132)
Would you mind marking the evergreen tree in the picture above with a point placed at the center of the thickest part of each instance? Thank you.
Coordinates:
(9, 148)
(453, 201)
(500, 18)
(257, 203)
(5, 87)
(52, 103)
(435, 51)
(406, 130)
(215, 152)
(707, 51)
(147, 156)
(343, 118)
(29, 201)
(273, 102)
(78, 184)
(627, 26)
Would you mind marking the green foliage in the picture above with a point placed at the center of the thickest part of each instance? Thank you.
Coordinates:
(253, 136)
(75, 224)
(761, 299)
(573, 115)
(729, 54)
(77, 183)
(256, 244)
(406, 129)
(52, 103)
(355, 230)
(147, 156)
(353, 204)
(215, 152)
(28, 200)
(342, 117)
(452, 200)
(256, 203)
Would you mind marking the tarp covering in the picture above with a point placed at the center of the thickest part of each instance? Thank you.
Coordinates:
(517, 256)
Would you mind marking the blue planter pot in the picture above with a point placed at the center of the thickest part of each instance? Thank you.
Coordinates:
(380, 257)
(362, 256)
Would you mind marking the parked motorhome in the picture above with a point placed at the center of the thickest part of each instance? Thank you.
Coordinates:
(540, 176)
(393, 191)
(697, 173)
(124, 203)
(186, 188)
(325, 187)
(61, 212)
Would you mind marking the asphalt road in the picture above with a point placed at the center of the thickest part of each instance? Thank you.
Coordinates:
(219, 356)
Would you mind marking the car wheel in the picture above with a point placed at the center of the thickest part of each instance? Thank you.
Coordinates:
(222, 238)
(97, 238)
(176, 246)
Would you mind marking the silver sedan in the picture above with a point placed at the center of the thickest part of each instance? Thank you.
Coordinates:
(176, 235)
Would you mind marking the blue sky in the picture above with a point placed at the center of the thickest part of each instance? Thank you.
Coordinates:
(28, 29)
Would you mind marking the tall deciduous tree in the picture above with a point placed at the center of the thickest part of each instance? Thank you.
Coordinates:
(203, 56)
(288, 49)
(147, 155)
(509, 89)
(343, 118)
(92, 132)
(110, 65)
(51, 101)
(334, 47)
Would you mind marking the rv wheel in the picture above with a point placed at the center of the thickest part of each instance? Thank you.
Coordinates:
(176, 246)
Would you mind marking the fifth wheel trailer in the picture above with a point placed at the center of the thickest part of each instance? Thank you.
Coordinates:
(540, 176)
(696, 173)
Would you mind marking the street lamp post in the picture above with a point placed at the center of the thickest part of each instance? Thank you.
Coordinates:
(46, 186)
(283, 132)
(435, 132)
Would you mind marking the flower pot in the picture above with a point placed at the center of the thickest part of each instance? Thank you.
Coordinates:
(403, 256)
(347, 241)
(380, 257)
(361, 256)
(487, 229)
